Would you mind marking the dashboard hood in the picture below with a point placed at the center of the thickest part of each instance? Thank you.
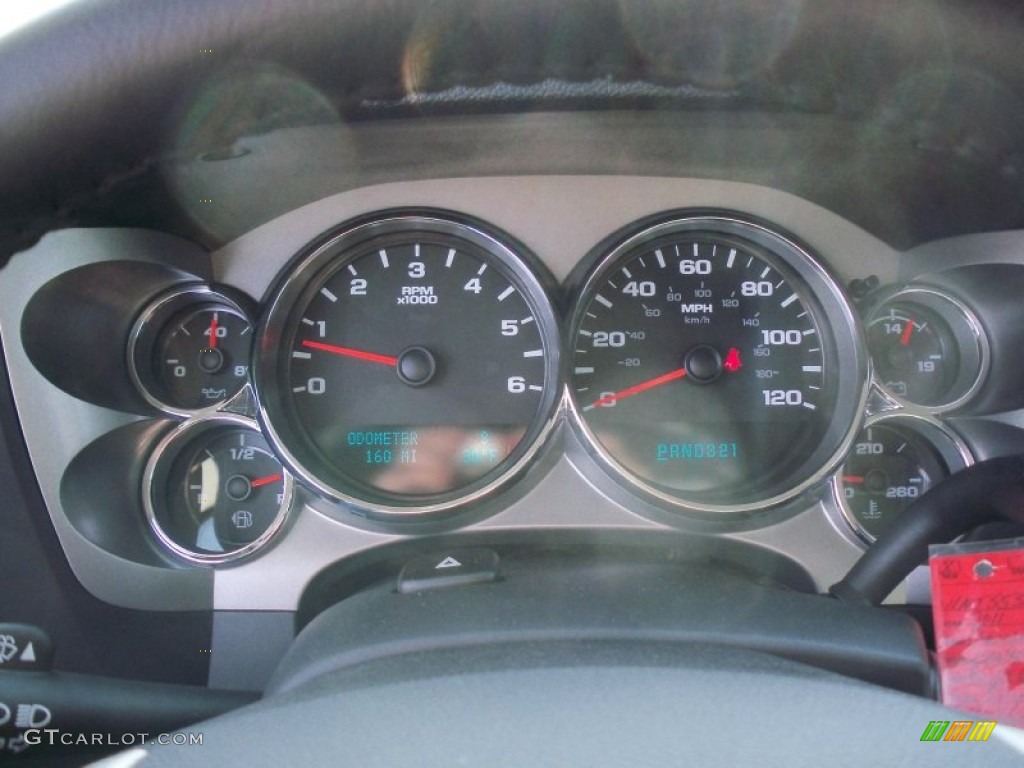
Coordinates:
(842, 103)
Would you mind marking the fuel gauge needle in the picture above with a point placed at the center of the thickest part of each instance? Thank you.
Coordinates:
(261, 481)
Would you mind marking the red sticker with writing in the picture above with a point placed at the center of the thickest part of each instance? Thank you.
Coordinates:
(978, 606)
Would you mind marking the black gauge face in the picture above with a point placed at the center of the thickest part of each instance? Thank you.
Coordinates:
(190, 349)
(889, 468)
(202, 357)
(416, 365)
(927, 349)
(914, 352)
(217, 493)
(705, 366)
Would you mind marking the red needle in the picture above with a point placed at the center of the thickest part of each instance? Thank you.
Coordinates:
(347, 352)
(213, 332)
(638, 388)
(908, 329)
(732, 360)
(264, 481)
(855, 479)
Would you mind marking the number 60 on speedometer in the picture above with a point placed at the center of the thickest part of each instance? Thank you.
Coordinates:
(716, 366)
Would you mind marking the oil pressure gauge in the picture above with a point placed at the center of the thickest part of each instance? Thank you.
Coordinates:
(190, 350)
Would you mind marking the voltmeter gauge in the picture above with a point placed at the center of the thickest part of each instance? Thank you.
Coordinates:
(892, 463)
(190, 350)
(214, 490)
(928, 349)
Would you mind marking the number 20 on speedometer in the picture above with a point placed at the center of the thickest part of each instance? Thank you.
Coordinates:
(715, 364)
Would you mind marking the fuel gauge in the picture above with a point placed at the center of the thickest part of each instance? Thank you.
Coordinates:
(215, 491)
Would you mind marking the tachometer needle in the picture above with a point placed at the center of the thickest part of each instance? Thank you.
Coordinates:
(638, 388)
(213, 331)
(359, 354)
(908, 329)
(854, 479)
(269, 480)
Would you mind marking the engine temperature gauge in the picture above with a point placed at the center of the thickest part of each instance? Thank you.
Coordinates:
(215, 492)
(891, 464)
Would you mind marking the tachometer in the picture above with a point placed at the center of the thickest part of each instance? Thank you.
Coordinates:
(715, 364)
(409, 364)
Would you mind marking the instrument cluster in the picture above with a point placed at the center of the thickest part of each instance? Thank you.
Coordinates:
(421, 370)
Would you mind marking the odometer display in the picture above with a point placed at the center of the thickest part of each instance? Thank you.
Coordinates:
(409, 365)
(706, 359)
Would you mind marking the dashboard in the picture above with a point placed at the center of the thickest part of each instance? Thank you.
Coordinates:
(420, 342)
(803, 448)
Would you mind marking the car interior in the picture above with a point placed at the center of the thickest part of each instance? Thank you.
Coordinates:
(557, 382)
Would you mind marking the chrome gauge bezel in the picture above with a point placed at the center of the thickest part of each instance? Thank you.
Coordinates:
(328, 255)
(154, 491)
(852, 387)
(969, 334)
(150, 324)
(950, 447)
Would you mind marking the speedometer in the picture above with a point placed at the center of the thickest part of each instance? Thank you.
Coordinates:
(715, 364)
(409, 364)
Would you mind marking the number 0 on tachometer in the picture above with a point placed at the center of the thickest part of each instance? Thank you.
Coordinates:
(715, 364)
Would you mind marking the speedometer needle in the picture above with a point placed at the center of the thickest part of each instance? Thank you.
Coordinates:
(638, 388)
(359, 354)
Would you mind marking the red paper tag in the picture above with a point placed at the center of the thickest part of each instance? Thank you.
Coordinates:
(978, 605)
